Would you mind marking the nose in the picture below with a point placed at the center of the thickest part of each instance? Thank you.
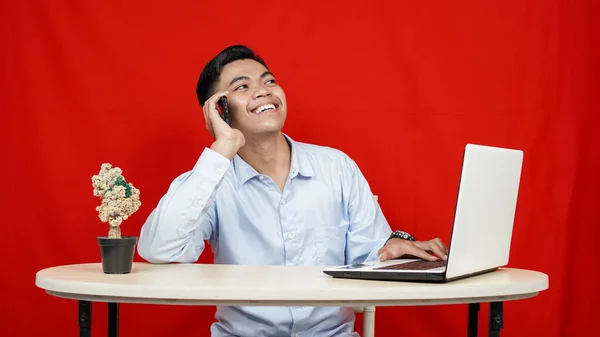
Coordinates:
(261, 91)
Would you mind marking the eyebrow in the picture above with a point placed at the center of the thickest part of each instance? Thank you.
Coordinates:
(241, 78)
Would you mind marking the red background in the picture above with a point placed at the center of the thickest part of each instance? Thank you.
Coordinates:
(399, 86)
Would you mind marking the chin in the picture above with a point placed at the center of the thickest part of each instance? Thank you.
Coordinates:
(265, 128)
(263, 131)
(269, 131)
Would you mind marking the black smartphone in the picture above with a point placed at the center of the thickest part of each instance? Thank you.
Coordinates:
(224, 109)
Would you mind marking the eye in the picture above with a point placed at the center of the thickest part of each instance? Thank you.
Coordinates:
(271, 81)
(242, 86)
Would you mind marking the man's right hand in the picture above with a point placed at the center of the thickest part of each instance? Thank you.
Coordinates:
(227, 140)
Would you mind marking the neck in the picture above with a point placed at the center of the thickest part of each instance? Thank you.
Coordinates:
(270, 155)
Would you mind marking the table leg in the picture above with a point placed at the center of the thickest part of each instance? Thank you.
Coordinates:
(113, 319)
(473, 317)
(496, 319)
(85, 319)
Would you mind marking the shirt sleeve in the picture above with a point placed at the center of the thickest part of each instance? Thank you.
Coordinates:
(368, 229)
(185, 216)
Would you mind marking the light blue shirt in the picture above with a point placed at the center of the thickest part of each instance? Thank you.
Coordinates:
(326, 215)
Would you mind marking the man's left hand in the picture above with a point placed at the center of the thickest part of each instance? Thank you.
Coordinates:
(431, 250)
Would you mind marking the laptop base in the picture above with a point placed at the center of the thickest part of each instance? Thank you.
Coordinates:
(405, 277)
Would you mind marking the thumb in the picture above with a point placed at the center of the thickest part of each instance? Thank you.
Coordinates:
(384, 254)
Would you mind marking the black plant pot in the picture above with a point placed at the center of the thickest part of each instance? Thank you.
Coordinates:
(117, 254)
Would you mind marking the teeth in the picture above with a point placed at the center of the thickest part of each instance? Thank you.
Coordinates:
(264, 107)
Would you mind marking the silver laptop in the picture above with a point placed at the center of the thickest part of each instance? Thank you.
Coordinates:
(483, 224)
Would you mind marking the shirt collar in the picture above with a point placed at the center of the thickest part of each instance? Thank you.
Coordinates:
(300, 164)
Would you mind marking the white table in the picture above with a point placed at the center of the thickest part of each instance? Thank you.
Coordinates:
(209, 284)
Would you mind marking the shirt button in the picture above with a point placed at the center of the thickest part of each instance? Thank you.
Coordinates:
(283, 202)
(291, 236)
(261, 177)
(219, 171)
(200, 202)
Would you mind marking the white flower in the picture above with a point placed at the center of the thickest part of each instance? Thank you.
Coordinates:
(112, 187)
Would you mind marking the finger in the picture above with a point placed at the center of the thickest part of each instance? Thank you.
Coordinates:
(211, 104)
(442, 245)
(421, 253)
(433, 247)
(211, 111)
(438, 249)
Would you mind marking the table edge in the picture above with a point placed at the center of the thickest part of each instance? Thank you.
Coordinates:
(334, 303)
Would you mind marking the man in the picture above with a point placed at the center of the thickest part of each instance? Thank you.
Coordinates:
(259, 197)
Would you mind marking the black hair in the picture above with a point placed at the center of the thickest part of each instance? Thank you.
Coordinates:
(212, 71)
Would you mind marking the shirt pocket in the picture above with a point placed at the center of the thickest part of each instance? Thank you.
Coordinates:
(330, 242)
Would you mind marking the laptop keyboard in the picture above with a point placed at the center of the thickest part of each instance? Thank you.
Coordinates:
(415, 265)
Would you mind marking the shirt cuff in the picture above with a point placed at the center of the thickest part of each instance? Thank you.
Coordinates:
(211, 165)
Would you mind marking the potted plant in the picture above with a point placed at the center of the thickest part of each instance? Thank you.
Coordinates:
(119, 200)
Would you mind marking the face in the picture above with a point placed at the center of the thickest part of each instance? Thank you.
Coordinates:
(256, 102)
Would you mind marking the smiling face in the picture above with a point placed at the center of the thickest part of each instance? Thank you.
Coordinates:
(257, 103)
